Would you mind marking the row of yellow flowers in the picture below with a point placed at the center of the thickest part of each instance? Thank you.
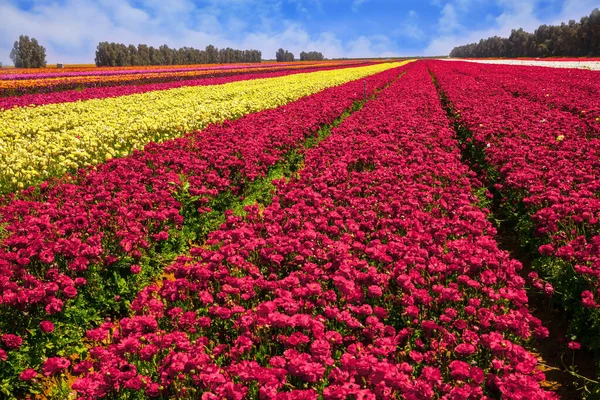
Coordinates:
(41, 142)
(104, 79)
(69, 68)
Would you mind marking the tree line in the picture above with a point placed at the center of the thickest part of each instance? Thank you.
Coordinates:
(28, 53)
(311, 56)
(118, 54)
(572, 39)
(283, 55)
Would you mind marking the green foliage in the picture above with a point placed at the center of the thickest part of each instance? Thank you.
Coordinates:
(284, 56)
(118, 54)
(311, 56)
(28, 53)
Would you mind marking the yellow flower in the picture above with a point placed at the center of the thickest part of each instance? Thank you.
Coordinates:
(58, 138)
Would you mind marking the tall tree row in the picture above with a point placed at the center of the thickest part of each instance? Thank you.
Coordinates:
(572, 39)
(118, 54)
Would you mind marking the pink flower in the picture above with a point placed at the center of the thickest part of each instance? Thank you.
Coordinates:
(375, 291)
(587, 298)
(574, 345)
(546, 249)
(465, 349)
(70, 292)
(54, 365)
(161, 236)
(12, 341)
(28, 374)
(47, 326)
(135, 269)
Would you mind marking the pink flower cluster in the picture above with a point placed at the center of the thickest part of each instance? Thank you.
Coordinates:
(66, 232)
(548, 163)
(372, 275)
(103, 92)
(573, 90)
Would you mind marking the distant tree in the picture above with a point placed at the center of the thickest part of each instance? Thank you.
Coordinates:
(284, 56)
(28, 53)
(166, 54)
(311, 56)
(212, 54)
(280, 55)
(143, 54)
(572, 39)
(117, 54)
(132, 51)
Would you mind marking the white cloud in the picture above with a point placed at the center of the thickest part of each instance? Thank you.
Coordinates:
(516, 14)
(71, 29)
(409, 28)
(356, 4)
(448, 21)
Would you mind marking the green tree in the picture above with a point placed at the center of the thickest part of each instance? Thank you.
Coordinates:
(28, 53)
(284, 56)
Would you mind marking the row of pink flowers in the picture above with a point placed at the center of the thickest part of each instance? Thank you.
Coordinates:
(573, 90)
(372, 275)
(107, 219)
(110, 72)
(548, 166)
(67, 96)
(10, 87)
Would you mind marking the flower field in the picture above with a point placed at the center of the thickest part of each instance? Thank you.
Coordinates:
(332, 231)
(102, 92)
(12, 83)
(50, 140)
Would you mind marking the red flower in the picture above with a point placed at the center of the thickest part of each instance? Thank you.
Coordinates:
(12, 341)
(28, 374)
(135, 269)
(54, 365)
(465, 349)
(47, 326)
(574, 345)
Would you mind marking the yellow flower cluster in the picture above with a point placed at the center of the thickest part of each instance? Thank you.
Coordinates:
(39, 142)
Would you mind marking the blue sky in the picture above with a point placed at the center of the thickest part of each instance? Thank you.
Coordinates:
(71, 29)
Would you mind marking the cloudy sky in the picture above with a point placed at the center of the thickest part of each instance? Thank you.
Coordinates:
(71, 29)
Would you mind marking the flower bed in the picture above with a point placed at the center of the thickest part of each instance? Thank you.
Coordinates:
(48, 83)
(372, 275)
(72, 262)
(48, 141)
(544, 165)
(576, 91)
(69, 96)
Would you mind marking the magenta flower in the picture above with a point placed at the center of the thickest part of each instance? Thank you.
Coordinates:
(574, 345)
(54, 365)
(47, 326)
(11, 341)
(28, 374)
